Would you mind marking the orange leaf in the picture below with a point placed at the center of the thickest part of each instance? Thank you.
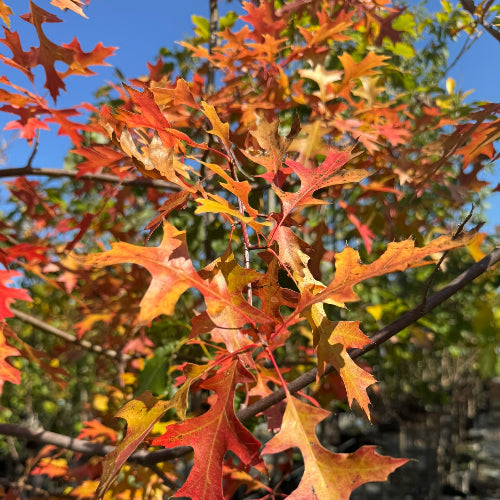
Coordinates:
(399, 256)
(334, 340)
(97, 432)
(5, 12)
(354, 70)
(74, 5)
(327, 475)
(52, 467)
(212, 435)
(273, 146)
(173, 273)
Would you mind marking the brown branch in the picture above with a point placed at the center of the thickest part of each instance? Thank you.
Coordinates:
(212, 42)
(142, 457)
(470, 7)
(383, 335)
(106, 178)
(41, 325)
(437, 267)
(147, 458)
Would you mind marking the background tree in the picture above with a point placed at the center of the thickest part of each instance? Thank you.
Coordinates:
(258, 161)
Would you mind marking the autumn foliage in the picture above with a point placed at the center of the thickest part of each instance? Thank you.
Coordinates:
(215, 220)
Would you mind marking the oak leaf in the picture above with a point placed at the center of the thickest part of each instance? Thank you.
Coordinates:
(399, 256)
(332, 340)
(5, 12)
(74, 5)
(172, 274)
(219, 128)
(327, 475)
(7, 372)
(212, 434)
(48, 53)
(8, 295)
(312, 179)
(141, 414)
(273, 146)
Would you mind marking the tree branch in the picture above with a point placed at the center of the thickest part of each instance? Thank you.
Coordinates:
(383, 335)
(212, 42)
(142, 457)
(470, 7)
(147, 458)
(41, 325)
(106, 178)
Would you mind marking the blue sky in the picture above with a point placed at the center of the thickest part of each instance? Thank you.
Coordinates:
(139, 29)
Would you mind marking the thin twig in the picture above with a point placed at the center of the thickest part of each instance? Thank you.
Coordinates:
(171, 484)
(106, 178)
(466, 46)
(33, 153)
(41, 325)
(437, 267)
(470, 7)
(235, 166)
(212, 43)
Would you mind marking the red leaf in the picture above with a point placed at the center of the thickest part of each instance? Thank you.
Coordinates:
(7, 372)
(213, 434)
(48, 53)
(312, 179)
(8, 295)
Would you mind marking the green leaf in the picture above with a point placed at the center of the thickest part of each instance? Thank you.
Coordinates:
(406, 23)
(154, 377)
(202, 27)
(228, 20)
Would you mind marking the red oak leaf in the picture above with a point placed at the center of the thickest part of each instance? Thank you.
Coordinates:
(48, 53)
(7, 372)
(173, 273)
(327, 475)
(8, 295)
(212, 434)
(312, 179)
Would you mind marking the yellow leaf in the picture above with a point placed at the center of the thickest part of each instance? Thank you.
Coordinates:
(5, 12)
(474, 247)
(450, 85)
(101, 403)
(220, 129)
(376, 311)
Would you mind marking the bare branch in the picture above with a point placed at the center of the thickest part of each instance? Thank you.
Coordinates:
(142, 457)
(41, 325)
(106, 178)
